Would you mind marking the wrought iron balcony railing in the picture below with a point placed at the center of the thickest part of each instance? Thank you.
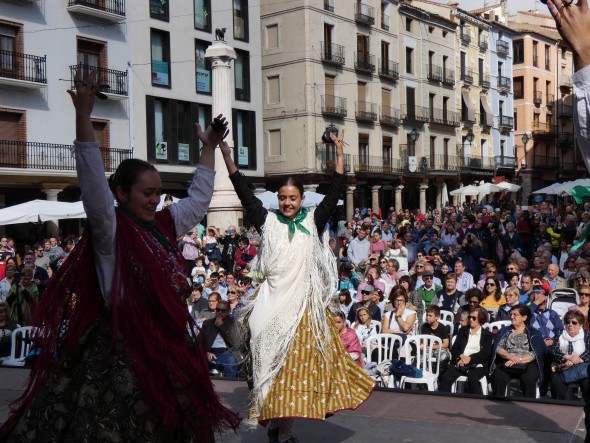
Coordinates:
(505, 122)
(110, 82)
(364, 62)
(366, 111)
(504, 83)
(505, 162)
(367, 164)
(364, 14)
(502, 47)
(333, 105)
(48, 156)
(537, 97)
(415, 114)
(389, 116)
(113, 10)
(545, 162)
(467, 76)
(333, 53)
(483, 44)
(444, 117)
(434, 73)
(388, 69)
(448, 77)
(544, 130)
(566, 110)
(23, 67)
(484, 81)
(465, 38)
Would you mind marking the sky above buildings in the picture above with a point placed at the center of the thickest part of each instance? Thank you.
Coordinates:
(513, 5)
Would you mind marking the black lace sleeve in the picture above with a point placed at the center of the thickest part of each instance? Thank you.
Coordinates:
(255, 211)
(328, 205)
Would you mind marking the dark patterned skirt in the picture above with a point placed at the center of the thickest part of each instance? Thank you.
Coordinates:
(92, 397)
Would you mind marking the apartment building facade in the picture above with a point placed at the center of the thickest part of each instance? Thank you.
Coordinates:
(41, 47)
(151, 65)
(543, 103)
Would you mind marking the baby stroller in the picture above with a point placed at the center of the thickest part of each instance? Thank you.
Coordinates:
(560, 300)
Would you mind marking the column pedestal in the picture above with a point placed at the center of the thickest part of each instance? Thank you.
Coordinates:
(350, 202)
(398, 197)
(225, 208)
(422, 187)
(375, 199)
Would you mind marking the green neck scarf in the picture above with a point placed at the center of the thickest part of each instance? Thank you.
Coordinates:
(150, 226)
(582, 240)
(296, 223)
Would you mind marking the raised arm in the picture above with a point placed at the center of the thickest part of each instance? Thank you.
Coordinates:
(328, 205)
(256, 213)
(191, 210)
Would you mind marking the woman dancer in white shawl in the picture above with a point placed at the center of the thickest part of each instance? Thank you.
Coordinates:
(299, 367)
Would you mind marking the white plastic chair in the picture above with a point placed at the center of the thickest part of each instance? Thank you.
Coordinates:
(496, 325)
(378, 328)
(463, 379)
(451, 326)
(21, 344)
(384, 344)
(447, 315)
(430, 366)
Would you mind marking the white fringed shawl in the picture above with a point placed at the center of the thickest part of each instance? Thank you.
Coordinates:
(300, 276)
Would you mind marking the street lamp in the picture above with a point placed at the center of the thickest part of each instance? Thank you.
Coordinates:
(470, 136)
(414, 134)
(525, 139)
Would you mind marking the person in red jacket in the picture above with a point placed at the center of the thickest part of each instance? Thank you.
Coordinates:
(244, 254)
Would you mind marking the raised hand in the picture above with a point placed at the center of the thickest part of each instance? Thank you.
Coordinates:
(339, 143)
(572, 22)
(85, 93)
(215, 132)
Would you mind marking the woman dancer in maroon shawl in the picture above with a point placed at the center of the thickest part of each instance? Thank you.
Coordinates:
(117, 362)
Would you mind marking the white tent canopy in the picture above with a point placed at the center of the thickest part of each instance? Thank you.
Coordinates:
(563, 188)
(40, 211)
(466, 190)
(509, 187)
(270, 201)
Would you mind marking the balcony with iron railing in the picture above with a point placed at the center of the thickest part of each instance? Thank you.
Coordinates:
(502, 47)
(364, 14)
(545, 162)
(565, 81)
(465, 38)
(334, 106)
(415, 114)
(504, 83)
(112, 83)
(23, 70)
(434, 73)
(364, 62)
(448, 77)
(385, 22)
(550, 100)
(444, 117)
(368, 164)
(566, 139)
(333, 53)
(505, 122)
(406, 151)
(327, 158)
(544, 130)
(388, 69)
(389, 116)
(484, 81)
(537, 97)
(108, 10)
(482, 163)
(484, 122)
(483, 44)
(52, 157)
(442, 163)
(566, 111)
(365, 111)
(505, 162)
(566, 167)
(467, 76)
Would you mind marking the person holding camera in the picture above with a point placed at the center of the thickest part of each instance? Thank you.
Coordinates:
(244, 255)
(23, 298)
(229, 244)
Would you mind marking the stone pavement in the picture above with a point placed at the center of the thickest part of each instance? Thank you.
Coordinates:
(400, 417)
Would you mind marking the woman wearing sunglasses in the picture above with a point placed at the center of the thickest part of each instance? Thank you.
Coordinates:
(570, 349)
(470, 354)
(584, 306)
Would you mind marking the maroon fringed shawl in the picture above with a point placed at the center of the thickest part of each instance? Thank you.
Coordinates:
(148, 314)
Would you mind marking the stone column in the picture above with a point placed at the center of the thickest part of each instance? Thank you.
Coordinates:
(439, 187)
(398, 197)
(225, 208)
(350, 202)
(375, 198)
(51, 190)
(457, 198)
(526, 181)
(422, 187)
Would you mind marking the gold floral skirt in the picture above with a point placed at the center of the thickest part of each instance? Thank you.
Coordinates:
(308, 386)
